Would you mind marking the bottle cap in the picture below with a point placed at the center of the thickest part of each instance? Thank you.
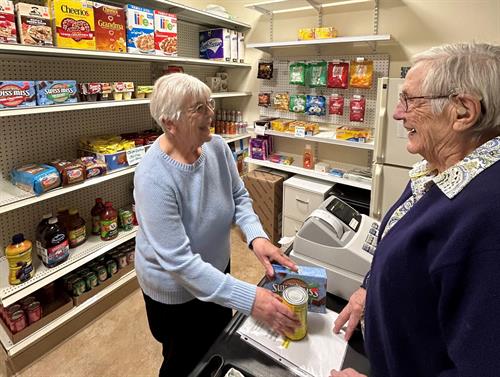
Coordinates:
(17, 238)
(98, 200)
(73, 211)
(108, 204)
(47, 216)
(53, 220)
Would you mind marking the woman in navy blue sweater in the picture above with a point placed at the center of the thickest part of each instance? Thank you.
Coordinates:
(432, 297)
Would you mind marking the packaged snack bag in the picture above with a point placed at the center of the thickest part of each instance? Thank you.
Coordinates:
(265, 99)
(315, 105)
(281, 101)
(316, 74)
(361, 73)
(297, 103)
(297, 73)
(336, 104)
(265, 71)
(357, 107)
(338, 74)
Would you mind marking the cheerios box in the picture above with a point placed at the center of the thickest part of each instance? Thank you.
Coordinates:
(140, 30)
(110, 34)
(56, 92)
(313, 279)
(73, 23)
(165, 33)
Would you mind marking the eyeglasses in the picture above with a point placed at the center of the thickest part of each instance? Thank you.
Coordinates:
(201, 108)
(404, 99)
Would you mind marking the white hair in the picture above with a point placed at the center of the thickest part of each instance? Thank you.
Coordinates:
(170, 93)
(465, 68)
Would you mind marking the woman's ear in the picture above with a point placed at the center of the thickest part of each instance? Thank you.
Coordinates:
(467, 110)
(168, 126)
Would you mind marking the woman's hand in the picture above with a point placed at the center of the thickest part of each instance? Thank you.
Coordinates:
(352, 313)
(349, 372)
(266, 253)
(269, 308)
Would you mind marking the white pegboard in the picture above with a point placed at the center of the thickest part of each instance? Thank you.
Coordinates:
(280, 83)
(24, 220)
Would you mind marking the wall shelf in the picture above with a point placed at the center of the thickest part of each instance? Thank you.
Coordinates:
(289, 6)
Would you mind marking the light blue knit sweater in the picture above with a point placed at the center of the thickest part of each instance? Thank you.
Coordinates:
(185, 214)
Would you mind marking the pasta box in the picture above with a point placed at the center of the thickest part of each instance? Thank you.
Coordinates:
(313, 279)
(17, 94)
(56, 92)
(140, 30)
(215, 44)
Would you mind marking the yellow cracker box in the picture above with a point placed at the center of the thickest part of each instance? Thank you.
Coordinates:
(73, 23)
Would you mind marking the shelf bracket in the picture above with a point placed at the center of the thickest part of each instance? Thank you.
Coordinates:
(314, 4)
(373, 44)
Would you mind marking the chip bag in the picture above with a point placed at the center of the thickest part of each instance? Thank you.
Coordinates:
(265, 99)
(265, 71)
(297, 103)
(336, 104)
(297, 73)
(315, 105)
(357, 107)
(338, 75)
(281, 101)
(316, 74)
(361, 73)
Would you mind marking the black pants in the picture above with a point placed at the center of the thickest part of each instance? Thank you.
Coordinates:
(186, 332)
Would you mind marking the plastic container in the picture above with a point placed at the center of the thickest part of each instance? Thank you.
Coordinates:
(308, 157)
(96, 216)
(62, 217)
(19, 256)
(55, 245)
(40, 228)
(77, 232)
(109, 223)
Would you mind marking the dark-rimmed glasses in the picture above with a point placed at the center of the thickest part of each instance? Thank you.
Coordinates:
(404, 99)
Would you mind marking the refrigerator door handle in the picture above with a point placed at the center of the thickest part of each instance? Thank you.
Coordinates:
(380, 119)
(376, 193)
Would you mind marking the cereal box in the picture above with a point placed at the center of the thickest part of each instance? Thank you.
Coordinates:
(215, 44)
(110, 32)
(33, 22)
(313, 279)
(17, 94)
(234, 45)
(140, 30)
(73, 23)
(56, 92)
(165, 33)
(7, 22)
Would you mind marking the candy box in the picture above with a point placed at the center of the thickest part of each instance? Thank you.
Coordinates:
(215, 44)
(17, 94)
(140, 30)
(313, 279)
(56, 92)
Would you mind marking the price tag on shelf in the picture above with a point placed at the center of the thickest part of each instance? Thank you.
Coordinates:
(260, 130)
(135, 155)
(300, 131)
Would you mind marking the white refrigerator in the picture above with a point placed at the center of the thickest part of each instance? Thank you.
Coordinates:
(391, 160)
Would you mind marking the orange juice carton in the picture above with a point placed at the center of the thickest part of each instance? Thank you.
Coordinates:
(73, 23)
(7, 22)
(33, 22)
(110, 32)
(313, 279)
(140, 30)
(165, 33)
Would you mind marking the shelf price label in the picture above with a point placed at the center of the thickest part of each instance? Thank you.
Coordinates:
(300, 131)
(135, 155)
(260, 130)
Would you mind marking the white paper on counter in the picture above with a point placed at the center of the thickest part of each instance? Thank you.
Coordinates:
(316, 355)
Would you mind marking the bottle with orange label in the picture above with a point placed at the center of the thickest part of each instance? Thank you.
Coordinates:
(18, 254)
(109, 222)
(308, 157)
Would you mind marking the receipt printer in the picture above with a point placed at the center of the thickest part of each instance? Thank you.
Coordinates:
(340, 239)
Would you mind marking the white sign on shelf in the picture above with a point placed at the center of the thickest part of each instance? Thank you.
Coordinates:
(260, 130)
(134, 155)
(300, 131)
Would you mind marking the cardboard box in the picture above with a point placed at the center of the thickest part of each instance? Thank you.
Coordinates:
(17, 94)
(50, 312)
(33, 23)
(7, 22)
(215, 44)
(56, 92)
(89, 294)
(110, 34)
(118, 160)
(313, 279)
(140, 30)
(266, 191)
(165, 33)
(234, 45)
(241, 47)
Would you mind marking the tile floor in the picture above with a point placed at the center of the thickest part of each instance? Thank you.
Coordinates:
(119, 342)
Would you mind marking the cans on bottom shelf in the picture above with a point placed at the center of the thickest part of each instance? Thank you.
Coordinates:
(296, 298)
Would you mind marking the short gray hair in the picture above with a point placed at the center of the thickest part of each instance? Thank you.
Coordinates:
(472, 68)
(170, 93)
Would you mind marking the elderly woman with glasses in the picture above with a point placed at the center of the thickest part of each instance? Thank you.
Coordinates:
(432, 298)
(188, 194)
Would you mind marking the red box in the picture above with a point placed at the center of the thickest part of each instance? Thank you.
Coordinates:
(165, 33)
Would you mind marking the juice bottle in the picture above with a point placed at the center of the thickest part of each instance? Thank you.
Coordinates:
(77, 233)
(18, 254)
(62, 216)
(39, 231)
(109, 222)
(96, 216)
(55, 245)
(308, 158)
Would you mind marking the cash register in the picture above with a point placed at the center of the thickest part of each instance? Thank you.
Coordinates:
(340, 239)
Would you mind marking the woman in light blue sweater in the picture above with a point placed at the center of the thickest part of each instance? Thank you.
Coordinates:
(188, 194)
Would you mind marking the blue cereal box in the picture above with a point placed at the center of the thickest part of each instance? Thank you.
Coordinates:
(17, 94)
(56, 92)
(215, 44)
(140, 30)
(313, 279)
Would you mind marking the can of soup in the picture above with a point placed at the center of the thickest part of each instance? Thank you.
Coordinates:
(296, 298)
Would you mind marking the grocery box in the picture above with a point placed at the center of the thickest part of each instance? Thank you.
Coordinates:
(234, 45)
(118, 160)
(56, 92)
(73, 23)
(50, 312)
(215, 44)
(266, 191)
(33, 22)
(17, 94)
(7, 22)
(140, 30)
(313, 279)
(165, 33)
(241, 47)
(110, 25)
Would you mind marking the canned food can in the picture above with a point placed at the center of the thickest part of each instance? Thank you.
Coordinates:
(102, 273)
(296, 298)
(111, 267)
(91, 280)
(17, 322)
(122, 261)
(78, 287)
(125, 219)
(34, 312)
(130, 256)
